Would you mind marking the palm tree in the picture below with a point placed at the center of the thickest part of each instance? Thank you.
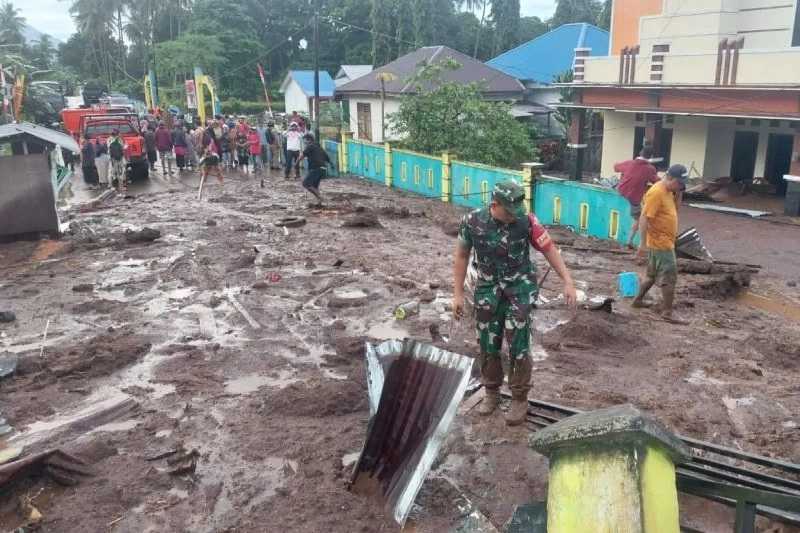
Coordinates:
(472, 5)
(11, 24)
(43, 52)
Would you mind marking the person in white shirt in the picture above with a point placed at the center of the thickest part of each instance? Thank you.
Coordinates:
(294, 143)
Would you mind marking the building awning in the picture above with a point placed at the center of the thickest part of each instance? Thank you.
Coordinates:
(40, 132)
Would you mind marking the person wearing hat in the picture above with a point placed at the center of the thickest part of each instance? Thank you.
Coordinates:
(659, 228)
(293, 145)
(501, 236)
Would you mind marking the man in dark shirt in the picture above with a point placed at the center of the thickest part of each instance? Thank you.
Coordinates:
(637, 174)
(317, 159)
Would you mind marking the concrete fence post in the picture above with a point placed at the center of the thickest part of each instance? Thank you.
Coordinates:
(611, 470)
(345, 165)
(387, 164)
(530, 172)
(447, 180)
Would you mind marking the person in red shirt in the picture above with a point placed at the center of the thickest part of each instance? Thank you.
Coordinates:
(637, 174)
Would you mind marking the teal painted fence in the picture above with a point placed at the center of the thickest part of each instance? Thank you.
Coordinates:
(332, 149)
(366, 160)
(589, 209)
(473, 183)
(417, 173)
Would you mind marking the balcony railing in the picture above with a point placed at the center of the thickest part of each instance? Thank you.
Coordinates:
(731, 66)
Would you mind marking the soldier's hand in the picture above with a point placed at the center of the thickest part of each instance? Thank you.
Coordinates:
(641, 255)
(458, 306)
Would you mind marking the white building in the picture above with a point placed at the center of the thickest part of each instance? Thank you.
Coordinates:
(298, 90)
(364, 93)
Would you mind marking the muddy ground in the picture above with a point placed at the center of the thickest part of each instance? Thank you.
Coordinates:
(244, 341)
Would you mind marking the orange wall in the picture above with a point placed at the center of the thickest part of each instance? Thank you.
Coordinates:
(625, 21)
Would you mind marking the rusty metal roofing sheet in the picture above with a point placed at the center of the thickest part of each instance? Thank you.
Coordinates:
(414, 392)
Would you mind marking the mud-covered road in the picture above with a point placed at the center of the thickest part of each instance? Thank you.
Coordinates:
(244, 341)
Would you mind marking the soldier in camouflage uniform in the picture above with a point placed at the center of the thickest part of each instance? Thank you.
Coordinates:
(501, 236)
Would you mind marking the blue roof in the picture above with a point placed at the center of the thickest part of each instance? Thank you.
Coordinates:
(305, 79)
(550, 54)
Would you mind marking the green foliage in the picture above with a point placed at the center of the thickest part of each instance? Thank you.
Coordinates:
(563, 115)
(176, 59)
(451, 117)
(235, 106)
(568, 11)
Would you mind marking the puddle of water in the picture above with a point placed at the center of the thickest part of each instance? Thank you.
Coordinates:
(352, 294)
(331, 374)
(251, 383)
(699, 377)
(387, 330)
(163, 433)
(780, 307)
(116, 426)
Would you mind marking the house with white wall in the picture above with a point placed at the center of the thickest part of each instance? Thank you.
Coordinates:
(298, 90)
(364, 93)
(348, 73)
(711, 84)
(538, 62)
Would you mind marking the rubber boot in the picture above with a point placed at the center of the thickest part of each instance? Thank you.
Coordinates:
(517, 412)
(490, 402)
(668, 298)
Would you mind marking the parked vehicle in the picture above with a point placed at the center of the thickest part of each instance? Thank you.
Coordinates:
(101, 126)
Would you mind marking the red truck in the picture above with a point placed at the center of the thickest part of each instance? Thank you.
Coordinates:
(97, 122)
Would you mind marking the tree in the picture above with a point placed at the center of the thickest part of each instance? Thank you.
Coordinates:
(381, 31)
(43, 52)
(454, 117)
(505, 17)
(12, 24)
(530, 28)
(569, 11)
(604, 18)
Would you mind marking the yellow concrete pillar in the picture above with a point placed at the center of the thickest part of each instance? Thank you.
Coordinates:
(346, 136)
(530, 171)
(387, 164)
(447, 182)
(611, 470)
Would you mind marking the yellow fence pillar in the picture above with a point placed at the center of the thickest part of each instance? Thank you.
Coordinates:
(344, 165)
(530, 171)
(611, 470)
(387, 164)
(447, 180)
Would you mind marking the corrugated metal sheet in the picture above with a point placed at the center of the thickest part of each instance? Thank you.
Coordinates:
(305, 79)
(414, 392)
(541, 59)
(46, 134)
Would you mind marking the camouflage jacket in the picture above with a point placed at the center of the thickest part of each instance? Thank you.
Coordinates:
(502, 251)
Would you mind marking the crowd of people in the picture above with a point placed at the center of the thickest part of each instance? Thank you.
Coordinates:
(223, 143)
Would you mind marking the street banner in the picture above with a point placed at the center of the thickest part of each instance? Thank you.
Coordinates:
(3, 90)
(191, 95)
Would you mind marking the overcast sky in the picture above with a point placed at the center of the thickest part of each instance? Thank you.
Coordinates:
(52, 16)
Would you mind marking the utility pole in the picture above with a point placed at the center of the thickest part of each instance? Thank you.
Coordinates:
(316, 70)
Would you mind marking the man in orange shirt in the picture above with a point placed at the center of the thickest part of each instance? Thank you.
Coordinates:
(659, 226)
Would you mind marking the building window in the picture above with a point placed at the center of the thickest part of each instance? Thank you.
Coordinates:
(639, 117)
(755, 122)
(430, 178)
(740, 122)
(403, 171)
(416, 175)
(670, 119)
(774, 123)
(364, 121)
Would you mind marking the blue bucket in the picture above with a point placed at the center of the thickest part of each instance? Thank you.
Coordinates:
(628, 284)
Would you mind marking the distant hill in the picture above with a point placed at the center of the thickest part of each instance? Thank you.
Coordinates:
(31, 34)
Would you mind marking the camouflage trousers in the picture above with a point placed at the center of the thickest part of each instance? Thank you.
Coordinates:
(503, 310)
